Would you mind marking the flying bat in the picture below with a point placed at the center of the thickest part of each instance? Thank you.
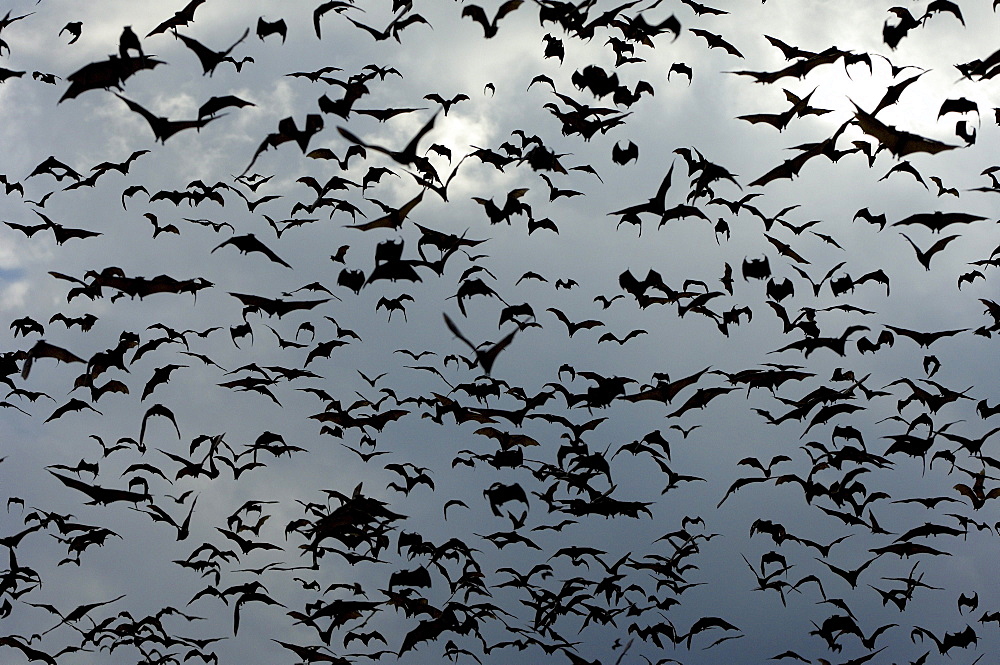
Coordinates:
(267, 28)
(490, 28)
(898, 142)
(249, 243)
(216, 104)
(925, 339)
(275, 306)
(716, 41)
(100, 495)
(209, 59)
(180, 18)
(106, 74)
(163, 128)
(484, 357)
(925, 256)
(937, 221)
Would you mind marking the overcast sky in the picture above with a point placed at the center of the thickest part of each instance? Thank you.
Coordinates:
(601, 229)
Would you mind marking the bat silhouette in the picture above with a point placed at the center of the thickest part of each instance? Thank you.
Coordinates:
(43, 349)
(877, 276)
(63, 233)
(249, 243)
(878, 220)
(180, 18)
(288, 131)
(216, 104)
(898, 142)
(700, 400)
(446, 104)
(396, 25)
(408, 155)
(106, 74)
(573, 327)
(681, 68)
(925, 256)
(275, 306)
(756, 268)
(960, 105)
(892, 95)
(28, 231)
(75, 29)
(157, 410)
(701, 9)
(72, 405)
(937, 221)
(163, 128)
(100, 495)
(865, 345)
(610, 337)
(485, 357)
(490, 28)
(338, 6)
(785, 250)
(160, 376)
(716, 41)
(209, 59)
(394, 304)
(961, 639)
(624, 155)
(267, 28)
(893, 34)
(925, 339)
(160, 515)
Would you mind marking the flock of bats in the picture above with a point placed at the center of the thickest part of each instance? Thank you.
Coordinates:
(865, 480)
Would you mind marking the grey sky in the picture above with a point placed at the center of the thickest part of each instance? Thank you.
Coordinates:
(451, 56)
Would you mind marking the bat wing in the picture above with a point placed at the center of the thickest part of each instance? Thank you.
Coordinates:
(457, 333)
(153, 120)
(898, 142)
(411, 147)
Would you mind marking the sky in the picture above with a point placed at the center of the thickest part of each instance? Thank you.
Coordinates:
(635, 495)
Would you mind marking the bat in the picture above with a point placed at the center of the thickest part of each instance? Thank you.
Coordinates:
(446, 104)
(610, 337)
(100, 495)
(716, 41)
(209, 59)
(574, 327)
(701, 9)
(106, 74)
(484, 357)
(785, 250)
(925, 339)
(898, 142)
(401, 21)
(267, 28)
(961, 639)
(624, 155)
(878, 220)
(925, 256)
(162, 127)
(180, 18)
(216, 104)
(490, 27)
(682, 69)
(937, 221)
(249, 243)
(408, 155)
(338, 6)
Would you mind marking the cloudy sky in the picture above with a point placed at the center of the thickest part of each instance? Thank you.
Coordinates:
(864, 434)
